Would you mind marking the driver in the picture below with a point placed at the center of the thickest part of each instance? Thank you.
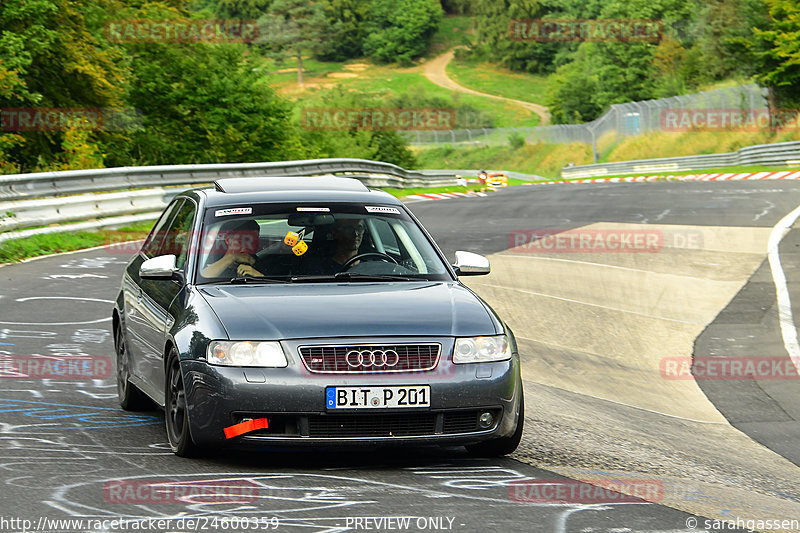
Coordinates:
(347, 235)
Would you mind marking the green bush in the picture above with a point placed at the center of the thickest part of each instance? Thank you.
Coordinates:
(516, 140)
(401, 30)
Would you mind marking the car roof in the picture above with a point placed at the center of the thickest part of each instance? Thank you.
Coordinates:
(313, 183)
(251, 190)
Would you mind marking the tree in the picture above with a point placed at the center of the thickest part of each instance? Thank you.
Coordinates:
(777, 50)
(494, 19)
(571, 91)
(242, 9)
(49, 59)
(290, 27)
(457, 7)
(388, 146)
(401, 30)
(347, 29)
(203, 103)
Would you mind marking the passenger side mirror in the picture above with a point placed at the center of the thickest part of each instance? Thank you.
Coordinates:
(469, 264)
(161, 267)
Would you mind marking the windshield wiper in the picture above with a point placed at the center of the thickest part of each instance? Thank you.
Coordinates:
(347, 276)
(250, 279)
(372, 277)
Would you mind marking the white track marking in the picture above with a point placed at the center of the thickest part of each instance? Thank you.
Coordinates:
(59, 323)
(788, 329)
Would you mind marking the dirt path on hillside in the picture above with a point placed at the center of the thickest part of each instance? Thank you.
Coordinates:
(436, 71)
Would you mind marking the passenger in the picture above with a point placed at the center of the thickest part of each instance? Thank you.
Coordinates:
(241, 241)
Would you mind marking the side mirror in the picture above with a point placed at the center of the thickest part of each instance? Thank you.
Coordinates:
(469, 264)
(161, 267)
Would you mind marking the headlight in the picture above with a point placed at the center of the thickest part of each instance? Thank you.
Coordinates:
(482, 349)
(230, 353)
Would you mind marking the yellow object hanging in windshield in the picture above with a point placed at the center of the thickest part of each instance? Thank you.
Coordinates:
(300, 248)
(291, 238)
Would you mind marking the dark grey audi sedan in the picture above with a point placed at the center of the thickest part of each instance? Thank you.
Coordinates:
(287, 311)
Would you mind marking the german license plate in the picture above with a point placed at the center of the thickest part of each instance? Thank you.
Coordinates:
(377, 397)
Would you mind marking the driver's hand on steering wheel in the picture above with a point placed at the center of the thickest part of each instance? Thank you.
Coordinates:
(247, 270)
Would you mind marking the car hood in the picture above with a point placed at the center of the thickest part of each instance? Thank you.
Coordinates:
(301, 311)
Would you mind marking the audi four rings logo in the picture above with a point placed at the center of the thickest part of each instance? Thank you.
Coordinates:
(368, 358)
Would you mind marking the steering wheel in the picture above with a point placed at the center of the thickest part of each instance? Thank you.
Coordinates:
(358, 257)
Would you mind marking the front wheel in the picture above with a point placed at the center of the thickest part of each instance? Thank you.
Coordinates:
(503, 445)
(176, 410)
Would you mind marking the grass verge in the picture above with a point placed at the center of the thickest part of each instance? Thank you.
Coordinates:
(402, 193)
(547, 160)
(14, 250)
(490, 79)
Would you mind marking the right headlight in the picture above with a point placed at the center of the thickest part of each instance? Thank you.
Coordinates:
(245, 353)
(482, 349)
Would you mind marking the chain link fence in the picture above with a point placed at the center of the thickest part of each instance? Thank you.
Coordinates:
(621, 120)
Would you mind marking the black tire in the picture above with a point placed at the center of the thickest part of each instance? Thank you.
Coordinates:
(176, 412)
(130, 397)
(503, 445)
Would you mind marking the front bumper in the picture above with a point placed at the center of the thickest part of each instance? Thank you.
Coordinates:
(293, 400)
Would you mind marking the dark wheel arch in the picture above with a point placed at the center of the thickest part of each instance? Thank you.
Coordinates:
(130, 397)
(176, 409)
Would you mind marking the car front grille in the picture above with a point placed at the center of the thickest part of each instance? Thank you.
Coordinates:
(394, 424)
(461, 422)
(368, 425)
(383, 425)
(370, 357)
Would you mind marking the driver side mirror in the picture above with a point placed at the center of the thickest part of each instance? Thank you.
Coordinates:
(161, 267)
(469, 264)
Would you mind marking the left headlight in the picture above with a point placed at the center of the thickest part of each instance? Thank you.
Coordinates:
(482, 349)
(243, 353)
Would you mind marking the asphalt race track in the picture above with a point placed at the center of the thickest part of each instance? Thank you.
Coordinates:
(592, 328)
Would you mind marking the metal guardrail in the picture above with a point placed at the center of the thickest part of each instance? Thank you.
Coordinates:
(787, 153)
(372, 173)
(28, 200)
(28, 213)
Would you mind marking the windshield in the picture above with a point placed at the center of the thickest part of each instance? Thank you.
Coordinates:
(292, 242)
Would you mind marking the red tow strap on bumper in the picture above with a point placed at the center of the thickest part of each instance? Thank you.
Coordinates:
(245, 427)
